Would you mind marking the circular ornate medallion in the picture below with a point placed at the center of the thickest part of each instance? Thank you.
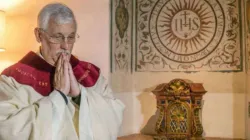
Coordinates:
(186, 31)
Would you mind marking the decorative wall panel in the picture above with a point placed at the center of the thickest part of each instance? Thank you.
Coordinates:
(121, 35)
(188, 35)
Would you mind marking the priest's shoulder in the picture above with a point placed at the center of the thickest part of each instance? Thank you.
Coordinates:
(86, 73)
(30, 64)
(19, 70)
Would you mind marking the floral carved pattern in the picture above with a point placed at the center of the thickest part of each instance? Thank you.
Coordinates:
(121, 35)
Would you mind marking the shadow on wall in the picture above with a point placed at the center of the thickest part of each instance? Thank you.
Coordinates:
(149, 111)
(149, 128)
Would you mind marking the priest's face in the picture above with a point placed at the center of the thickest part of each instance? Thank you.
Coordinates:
(57, 39)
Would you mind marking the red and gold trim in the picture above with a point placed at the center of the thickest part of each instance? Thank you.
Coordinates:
(34, 71)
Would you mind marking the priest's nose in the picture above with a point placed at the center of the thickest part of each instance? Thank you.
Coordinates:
(64, 45)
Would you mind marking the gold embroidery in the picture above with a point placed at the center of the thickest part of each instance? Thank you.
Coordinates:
(25, 73)
(76, 118)
(44, 84)
(89, 66)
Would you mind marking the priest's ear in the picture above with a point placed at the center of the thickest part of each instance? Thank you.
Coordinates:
(37, 32)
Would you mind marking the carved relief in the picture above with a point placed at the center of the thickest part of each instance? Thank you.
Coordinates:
(121, 35)
(179, 102)
(188, 35)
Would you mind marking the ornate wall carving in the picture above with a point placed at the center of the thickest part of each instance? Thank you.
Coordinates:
(188, 35)
(121, 35)
(177, 35)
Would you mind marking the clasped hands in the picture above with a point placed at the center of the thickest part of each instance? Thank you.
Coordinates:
(64, 78)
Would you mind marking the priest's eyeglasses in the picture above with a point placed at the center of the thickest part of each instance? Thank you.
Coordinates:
(59, 39)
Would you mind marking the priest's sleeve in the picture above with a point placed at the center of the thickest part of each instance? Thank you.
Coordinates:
(105, 112)
(25, 114)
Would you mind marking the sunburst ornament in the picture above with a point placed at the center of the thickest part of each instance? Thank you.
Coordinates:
(186, 30)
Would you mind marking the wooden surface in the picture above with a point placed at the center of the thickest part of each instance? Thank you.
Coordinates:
(145, 137)
(136, 137)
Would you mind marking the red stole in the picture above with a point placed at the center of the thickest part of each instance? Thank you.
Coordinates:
(34, 71)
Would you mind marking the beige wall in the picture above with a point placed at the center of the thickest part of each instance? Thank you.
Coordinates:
(224, 109)
(8, 59)
(248, 108)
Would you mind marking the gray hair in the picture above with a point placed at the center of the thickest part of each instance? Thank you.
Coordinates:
(60, 12)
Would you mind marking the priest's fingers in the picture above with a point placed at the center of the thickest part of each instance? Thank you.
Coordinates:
(57, 77)
(74, 86)
(65, 76)
(65, 67)
(67, 56)
(59, 63)
(61, 79)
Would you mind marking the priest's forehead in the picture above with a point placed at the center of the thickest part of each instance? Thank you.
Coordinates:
(65, 29)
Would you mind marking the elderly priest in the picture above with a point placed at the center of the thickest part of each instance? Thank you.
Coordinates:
(51, 95)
